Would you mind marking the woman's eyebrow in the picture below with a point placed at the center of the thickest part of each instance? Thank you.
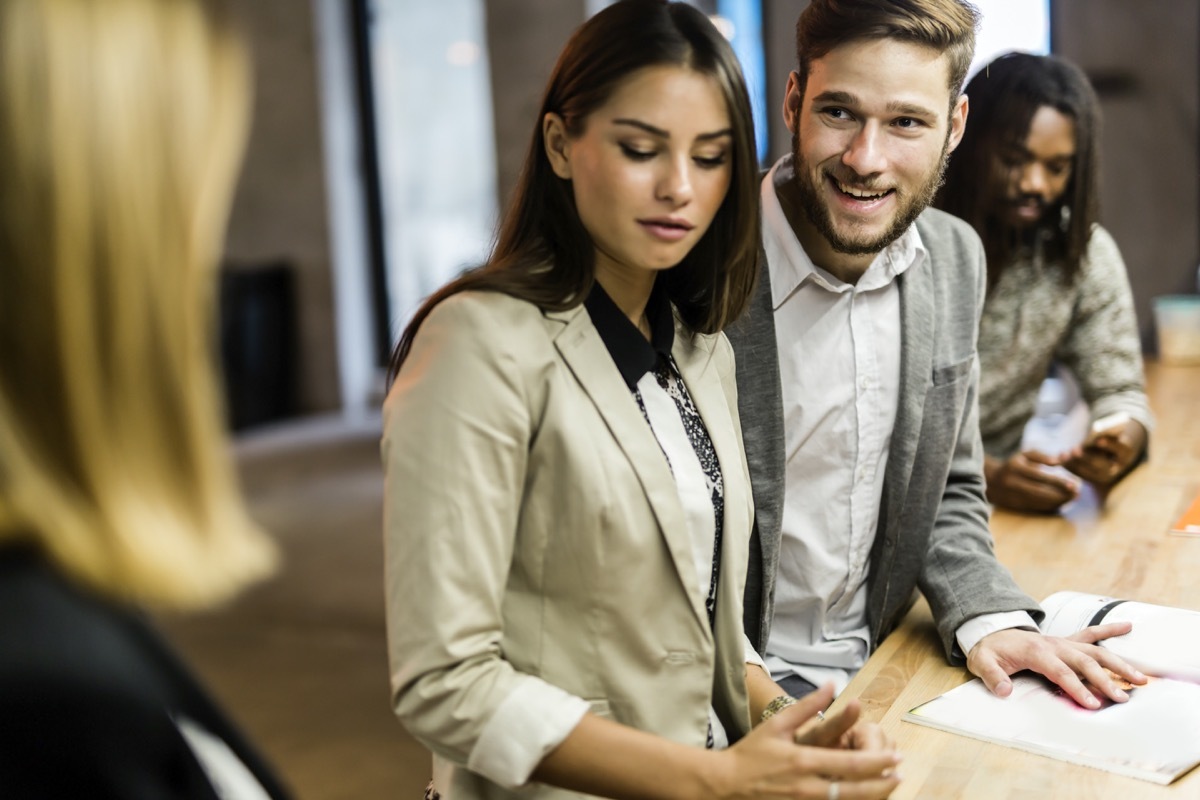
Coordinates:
(655, 131)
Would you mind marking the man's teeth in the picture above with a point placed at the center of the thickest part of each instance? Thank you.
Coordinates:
(861, 194)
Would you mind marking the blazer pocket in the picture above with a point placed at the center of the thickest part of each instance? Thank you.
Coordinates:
(953, 372)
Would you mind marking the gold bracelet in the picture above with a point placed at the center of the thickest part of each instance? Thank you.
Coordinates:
(777, 705)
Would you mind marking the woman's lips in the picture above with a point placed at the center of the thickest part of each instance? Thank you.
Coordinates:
(668, 230)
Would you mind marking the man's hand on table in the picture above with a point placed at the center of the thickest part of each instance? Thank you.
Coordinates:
(1107, 454)
(1067, 662)
(1022, 482)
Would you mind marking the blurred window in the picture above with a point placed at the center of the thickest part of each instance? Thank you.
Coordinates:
(1011, 25)
(435, 145)
(741, 22)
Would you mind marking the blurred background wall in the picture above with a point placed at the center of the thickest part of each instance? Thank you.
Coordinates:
(1144, 62)
(308, 154)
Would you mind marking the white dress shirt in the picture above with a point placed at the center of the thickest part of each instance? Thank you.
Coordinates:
(839, 367)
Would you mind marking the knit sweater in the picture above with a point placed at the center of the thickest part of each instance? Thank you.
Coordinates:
(1034, 316)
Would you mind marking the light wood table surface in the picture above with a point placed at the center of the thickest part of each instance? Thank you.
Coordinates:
(1118, 547)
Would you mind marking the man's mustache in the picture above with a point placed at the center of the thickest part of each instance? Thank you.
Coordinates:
(1026, 199)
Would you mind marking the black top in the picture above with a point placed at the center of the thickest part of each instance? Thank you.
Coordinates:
(633, 355)
(88, 693)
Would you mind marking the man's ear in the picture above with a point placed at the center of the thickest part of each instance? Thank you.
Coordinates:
(793, 97)
(958, 121)
(558, 145)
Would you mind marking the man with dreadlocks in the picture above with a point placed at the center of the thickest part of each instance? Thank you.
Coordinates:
(1024, 176)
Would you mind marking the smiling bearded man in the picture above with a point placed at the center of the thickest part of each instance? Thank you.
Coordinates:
(858, 377)
(912, 202)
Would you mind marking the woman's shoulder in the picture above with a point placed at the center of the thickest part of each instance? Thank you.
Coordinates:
(83, 703)
(56, 636)
(488, 307)
(490, 325)
(482, 320)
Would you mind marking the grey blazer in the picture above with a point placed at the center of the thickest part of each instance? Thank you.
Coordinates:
(933, 524)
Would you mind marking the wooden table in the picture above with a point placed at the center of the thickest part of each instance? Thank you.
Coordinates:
(1118, 547)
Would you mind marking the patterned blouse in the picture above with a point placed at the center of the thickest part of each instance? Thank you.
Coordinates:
(666, 375)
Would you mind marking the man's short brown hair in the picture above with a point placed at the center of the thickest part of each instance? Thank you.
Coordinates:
(947, 26)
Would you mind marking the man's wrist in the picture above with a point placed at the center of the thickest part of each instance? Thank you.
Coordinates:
(991, 465)
(974, 630)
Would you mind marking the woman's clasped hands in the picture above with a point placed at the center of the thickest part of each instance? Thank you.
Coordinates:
(796, 754)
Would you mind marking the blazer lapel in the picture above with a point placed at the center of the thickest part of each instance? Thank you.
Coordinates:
(711, 401)
(588, 359)
(916, 367)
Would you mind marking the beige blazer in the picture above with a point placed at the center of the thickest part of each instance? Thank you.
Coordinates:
(533, 532)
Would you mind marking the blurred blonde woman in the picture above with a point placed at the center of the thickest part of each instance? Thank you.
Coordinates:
(121, 127)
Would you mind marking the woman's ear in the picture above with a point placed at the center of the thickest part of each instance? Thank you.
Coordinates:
(558, 145)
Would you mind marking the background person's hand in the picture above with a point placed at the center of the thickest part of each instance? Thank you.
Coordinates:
(1108, 454)
(1065, 661)
(1022, 483)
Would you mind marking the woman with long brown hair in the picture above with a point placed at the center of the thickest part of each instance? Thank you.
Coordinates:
(567, 506)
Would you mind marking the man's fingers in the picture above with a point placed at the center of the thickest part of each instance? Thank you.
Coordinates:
(1031, 471)
(1067, 679)
(1093, 459)
(1119, 666)
(1039, 494)
(1099, 678)
(1071, 665)
(1114, 663)
(1105, 457)
(1107, 659)
(1038, 457)
(1098, 633)
(1110, 446)
(994, 677)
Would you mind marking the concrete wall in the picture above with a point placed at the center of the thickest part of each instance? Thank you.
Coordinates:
(524, 39)
(779, 45)
(1144, 56)
(280, 209)
(1144, 59)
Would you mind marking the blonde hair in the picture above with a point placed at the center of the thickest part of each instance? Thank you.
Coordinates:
(122, 124)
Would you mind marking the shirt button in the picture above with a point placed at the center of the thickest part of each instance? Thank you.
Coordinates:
(864, 382)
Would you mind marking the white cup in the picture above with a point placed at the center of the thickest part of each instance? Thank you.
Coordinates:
(1177, 320)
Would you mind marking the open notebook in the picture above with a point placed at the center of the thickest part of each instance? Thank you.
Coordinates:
(1154, 736)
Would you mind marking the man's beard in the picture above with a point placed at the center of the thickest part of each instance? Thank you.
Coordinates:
(910, 205)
